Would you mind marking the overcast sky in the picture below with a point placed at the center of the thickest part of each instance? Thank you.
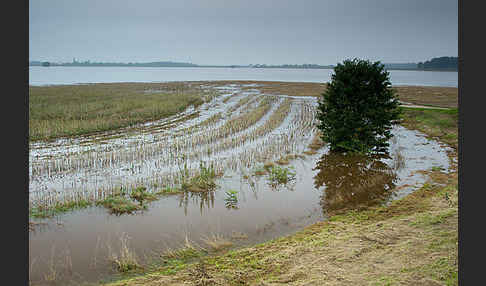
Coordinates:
(242, 31)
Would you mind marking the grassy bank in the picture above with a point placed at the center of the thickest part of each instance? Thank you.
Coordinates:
(441, 125)
(412, 241)
(69, 110)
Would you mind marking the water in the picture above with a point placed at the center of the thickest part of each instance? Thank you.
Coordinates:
(262, 212)
(73, 75)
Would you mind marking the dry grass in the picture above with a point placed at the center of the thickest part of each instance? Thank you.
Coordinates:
(420, 95)
(217, 242)
(429, 95)
(282, 161)
(124, 260)
(186, 251)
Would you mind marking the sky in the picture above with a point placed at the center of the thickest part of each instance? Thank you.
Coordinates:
(227, 32)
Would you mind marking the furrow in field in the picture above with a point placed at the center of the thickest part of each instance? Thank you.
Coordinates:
(292, 134)
(139, 145)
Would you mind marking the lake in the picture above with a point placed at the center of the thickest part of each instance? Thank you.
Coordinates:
(74, 75)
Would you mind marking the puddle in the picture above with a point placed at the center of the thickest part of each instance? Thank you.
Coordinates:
(244, 209)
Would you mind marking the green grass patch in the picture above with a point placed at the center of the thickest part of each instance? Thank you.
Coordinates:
(58, 208)
(442, 124)
(431, 219)
(141, 195)
(280, 175)
(120, 205)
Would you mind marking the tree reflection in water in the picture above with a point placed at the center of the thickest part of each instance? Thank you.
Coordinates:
(353, 181)
(204, 199)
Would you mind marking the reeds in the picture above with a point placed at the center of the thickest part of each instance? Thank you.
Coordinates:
(123, 260)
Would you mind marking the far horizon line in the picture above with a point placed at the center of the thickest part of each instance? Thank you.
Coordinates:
(229, 65)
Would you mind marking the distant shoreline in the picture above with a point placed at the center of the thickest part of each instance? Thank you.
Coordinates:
(237, 67)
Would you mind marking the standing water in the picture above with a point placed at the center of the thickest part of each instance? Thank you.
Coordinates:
(246, 207)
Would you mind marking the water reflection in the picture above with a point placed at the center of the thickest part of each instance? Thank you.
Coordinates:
(204, 199)
(353, 181)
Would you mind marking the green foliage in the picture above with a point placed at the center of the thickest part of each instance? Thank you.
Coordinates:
(280, 175)
(358, 108)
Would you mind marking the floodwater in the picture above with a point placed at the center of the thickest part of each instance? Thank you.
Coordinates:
(76, 245)
(73, 75)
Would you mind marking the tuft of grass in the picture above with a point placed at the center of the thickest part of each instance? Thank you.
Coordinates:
(280, 175)
(125, 260)
(120, 205)
(202, 182)
(140, 194)
(282, 161)
(169, 191)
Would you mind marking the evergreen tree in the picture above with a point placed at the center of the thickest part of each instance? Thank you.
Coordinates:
(358, 108)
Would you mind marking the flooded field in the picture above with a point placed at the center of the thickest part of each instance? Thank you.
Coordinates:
(272, 176)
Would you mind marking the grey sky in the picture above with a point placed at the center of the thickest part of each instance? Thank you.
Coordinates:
(242, 32)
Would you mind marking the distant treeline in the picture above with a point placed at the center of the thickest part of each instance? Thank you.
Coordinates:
(441, 63)
(99, 64)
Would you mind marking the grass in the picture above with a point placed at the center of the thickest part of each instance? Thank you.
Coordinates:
(140, 194)
(187, 252)
(438, 124)
(169, 191)
(125, 260)
(58, 208)
(120, 205)
(280, 175)
(70, 110)
(202, 182)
